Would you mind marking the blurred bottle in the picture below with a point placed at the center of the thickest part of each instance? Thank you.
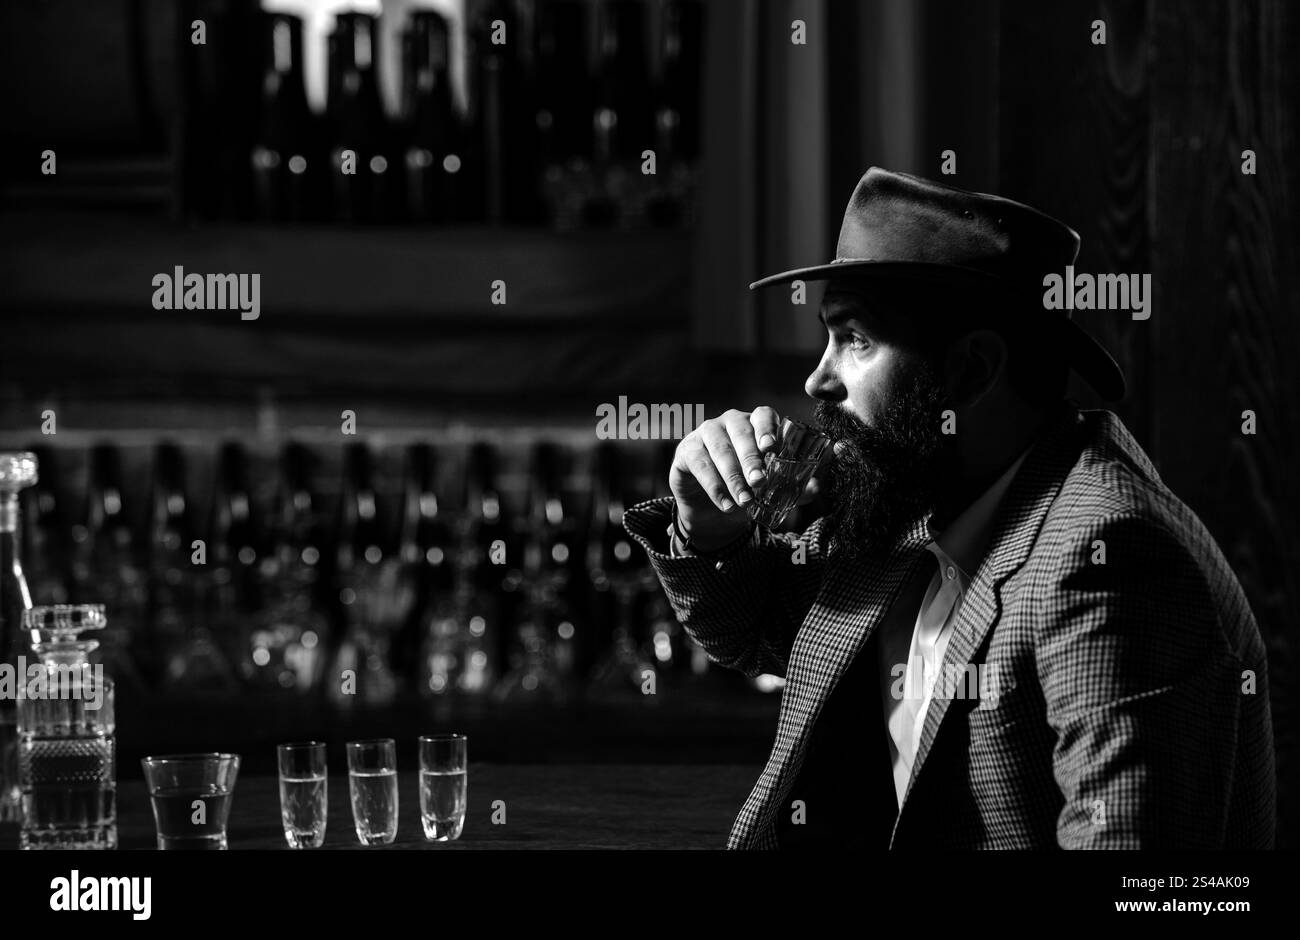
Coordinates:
(543, 657)
(363, 187)
(286, 166)
(107, 567)
(433, 154)
(17, 472)
(488, 575)
(431, 644)
(677, 112)
(564, 110)
(292, 615)
(676, 116)
(212, 133)
(374, 594)
(218, 600)
(171, 595)
(617, 583)
(505, 111)
(45, 532)
(622, 121)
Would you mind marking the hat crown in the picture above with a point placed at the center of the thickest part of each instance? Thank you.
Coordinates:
(898, 217)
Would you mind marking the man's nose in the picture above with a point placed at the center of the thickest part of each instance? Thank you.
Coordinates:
(823, 384)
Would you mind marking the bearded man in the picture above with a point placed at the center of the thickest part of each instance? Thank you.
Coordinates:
(1112, 685)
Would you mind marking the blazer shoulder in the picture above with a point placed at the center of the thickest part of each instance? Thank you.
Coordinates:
(1113, 501)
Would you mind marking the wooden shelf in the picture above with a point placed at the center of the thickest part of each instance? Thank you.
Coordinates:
(389, 312)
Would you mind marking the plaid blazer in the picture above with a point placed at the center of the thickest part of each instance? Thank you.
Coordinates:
(1132, 704)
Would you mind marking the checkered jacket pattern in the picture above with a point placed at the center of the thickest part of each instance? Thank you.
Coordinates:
(1131, 703)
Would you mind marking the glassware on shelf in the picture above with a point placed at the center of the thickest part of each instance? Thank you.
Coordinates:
(67, 735)
(17, 472)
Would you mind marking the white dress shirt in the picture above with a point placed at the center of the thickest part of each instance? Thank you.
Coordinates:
(911, 648)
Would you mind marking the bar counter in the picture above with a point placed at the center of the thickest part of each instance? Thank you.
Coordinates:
(547, 806)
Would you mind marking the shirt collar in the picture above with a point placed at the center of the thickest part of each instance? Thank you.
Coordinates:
(963, 541)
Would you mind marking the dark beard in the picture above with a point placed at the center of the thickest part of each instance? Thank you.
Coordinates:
(887, 477)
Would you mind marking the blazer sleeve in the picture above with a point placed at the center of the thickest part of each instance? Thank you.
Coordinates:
(745, 611)
(1142, 688)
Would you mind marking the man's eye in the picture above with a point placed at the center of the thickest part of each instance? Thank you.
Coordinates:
(858, 342)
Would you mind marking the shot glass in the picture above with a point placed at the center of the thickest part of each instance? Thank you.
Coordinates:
(443, 776)
(789, 468)
(372, 783)
(191, 796)
(304, 792)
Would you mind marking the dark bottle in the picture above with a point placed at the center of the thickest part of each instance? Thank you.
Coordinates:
(170, 559)
(217, 91)
(17, 472)
(491, 573)
(564, 110)
(374, 595)
(622, 120)
(564, 104)
(623, 116)
(433, 155)
(224, 596)
(427, 548)
(677, 111)
(676, 114)
(544, 656)
(362, 174)
(107, 568)
(505, 110)
(286, 166)
(618, 583)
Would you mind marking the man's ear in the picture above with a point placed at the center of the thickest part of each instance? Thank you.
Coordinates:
(974, 364)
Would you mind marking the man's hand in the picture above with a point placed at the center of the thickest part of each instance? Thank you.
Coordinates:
(714, 469)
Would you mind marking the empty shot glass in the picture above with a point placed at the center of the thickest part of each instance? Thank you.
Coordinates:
(191, 796)
(372, 783)
(443, 777)
(304, 793)
(788, 470)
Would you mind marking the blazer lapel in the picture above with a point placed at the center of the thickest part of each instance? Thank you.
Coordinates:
(1019, 518)
(853, 599)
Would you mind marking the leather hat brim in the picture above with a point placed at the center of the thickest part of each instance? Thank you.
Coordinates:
(1086, 356)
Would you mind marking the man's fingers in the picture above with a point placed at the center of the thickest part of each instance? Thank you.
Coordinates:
(767, 427)
(741, 430)
(726, 461)
(698, 464)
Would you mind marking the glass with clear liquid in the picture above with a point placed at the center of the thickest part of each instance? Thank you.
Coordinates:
(66, 736)
(304, 793)
(372, 784)
(443, 786)
(787, 471)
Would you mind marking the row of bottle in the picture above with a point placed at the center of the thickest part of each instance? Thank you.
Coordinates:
(554, 128)
(442, 596)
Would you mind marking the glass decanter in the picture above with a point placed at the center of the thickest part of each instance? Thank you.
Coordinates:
(66, 734)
